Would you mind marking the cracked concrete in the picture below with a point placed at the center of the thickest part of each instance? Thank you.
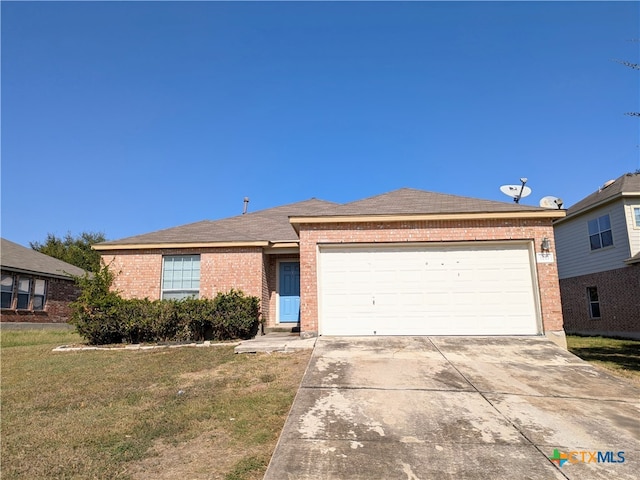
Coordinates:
(455, 408)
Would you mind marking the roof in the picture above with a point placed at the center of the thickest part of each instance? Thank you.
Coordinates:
(409, 201)
(25, 260)
(625, 185)
(634, 259)
(274, 225)
(264, 226)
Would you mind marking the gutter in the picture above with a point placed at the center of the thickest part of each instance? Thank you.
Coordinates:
(156, 246)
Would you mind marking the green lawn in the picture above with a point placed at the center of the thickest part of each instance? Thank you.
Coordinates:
(620, 357)
(155, 414)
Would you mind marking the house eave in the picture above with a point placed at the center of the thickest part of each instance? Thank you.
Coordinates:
(599, 204)
(36, 273)
(427, 216)
(158, 246)
(287, 244)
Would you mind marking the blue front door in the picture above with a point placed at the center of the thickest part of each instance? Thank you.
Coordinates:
(289, 290)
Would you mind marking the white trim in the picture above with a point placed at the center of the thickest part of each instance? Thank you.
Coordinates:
(537, 300)
(427, 216)
(277, 322)
(319, 314)
(157, 246)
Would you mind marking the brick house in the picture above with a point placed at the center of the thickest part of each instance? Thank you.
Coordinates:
(35, 287)
(408, 262)
(598, 246)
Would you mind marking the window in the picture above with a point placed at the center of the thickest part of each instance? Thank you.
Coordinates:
(24, 293)
(636, 216)
(39, 294)
(180, 277)
(594, 302)
(7, 291)
(600, 232)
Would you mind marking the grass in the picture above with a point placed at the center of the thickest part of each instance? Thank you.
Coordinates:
(203, 413)
(155, 414)
(620, 357)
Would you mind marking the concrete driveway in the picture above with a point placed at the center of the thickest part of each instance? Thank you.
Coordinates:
(419, 408)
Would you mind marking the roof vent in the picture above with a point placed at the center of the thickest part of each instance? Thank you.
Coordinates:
(246, 205)
(607, 184)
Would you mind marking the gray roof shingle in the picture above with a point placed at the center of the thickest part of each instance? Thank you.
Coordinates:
(409, 201)
(627, 183)
(18, 258)
(265, 225)
(273, 224)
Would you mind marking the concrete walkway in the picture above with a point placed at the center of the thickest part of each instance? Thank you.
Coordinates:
(420, 408)
(275, 342)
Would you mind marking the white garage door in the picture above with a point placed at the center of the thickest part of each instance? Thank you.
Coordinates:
(427, 290)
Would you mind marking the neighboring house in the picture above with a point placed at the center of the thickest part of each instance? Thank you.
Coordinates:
(408, 262)
(598, 246)
(35, 287)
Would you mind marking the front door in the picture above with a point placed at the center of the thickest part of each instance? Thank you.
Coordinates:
(289, 290)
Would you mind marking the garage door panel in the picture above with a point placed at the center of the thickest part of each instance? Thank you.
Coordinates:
(420, 290)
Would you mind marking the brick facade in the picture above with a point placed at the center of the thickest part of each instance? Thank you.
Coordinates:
(59, 294)
(619, 295)
(427, 231)
(139, 272)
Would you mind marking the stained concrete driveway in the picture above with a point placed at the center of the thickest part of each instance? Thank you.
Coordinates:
(419, 408)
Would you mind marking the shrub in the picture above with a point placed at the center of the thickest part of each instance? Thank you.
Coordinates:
(235, 316)
(101, 316)
(96, 312)
(198, 317)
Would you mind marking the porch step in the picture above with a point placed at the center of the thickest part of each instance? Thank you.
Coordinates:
(294, 328)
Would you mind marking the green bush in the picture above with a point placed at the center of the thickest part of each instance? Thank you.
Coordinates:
(235, 316)
(96, 313)
(101, 316)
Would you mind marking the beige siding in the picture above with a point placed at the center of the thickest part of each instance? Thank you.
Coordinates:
(634, 232)
(575, 256)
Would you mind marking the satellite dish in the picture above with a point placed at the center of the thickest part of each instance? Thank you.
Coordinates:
(608, 183)
(515, 191)
(551, 202)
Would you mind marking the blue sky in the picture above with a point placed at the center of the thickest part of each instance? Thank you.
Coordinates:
(127, 117)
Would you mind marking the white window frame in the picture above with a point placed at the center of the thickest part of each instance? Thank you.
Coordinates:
(179, 293)
(635, 216)
(600, 232)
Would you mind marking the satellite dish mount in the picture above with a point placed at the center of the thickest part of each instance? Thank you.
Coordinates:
(517, 199)
(516, 191)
